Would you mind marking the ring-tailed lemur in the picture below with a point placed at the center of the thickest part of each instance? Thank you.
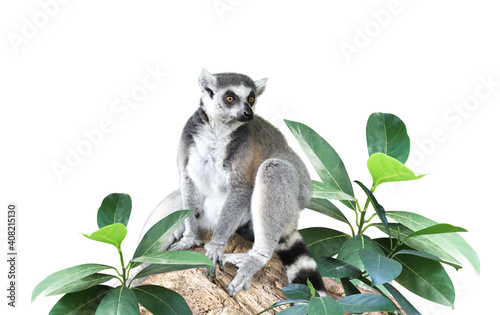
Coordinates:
(239, 175)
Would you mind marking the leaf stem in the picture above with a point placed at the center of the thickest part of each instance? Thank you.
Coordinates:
(128, 273)
(117, 272)
(352, 229)
(119, 279)
(370, 218)
(367, 203)
(391, 254)
(363, 213)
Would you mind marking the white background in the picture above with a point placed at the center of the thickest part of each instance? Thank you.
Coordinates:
(420, 62)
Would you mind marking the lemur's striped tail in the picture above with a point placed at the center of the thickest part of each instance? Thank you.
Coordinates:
(299, 264)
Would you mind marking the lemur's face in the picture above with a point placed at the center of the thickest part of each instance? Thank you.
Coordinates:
(234, 103)
(230, 97)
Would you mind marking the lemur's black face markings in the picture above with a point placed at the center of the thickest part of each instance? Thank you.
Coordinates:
(210, 92)
(238, 101)
(230, 98)
(251, 98)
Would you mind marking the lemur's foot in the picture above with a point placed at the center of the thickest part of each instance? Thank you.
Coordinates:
(248, 264)
(215, 252)
(186, 243)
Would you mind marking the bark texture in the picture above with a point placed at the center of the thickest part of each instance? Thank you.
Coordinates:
(208, 296)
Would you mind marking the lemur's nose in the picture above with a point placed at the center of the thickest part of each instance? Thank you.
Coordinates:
(247, 113)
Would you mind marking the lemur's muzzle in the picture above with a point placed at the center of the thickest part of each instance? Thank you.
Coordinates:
(246, 114)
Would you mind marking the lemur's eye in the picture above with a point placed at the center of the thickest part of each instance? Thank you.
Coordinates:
(251, 99)
(229, 99)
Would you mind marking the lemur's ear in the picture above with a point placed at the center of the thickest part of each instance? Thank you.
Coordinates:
(261, 86)
(207, 82)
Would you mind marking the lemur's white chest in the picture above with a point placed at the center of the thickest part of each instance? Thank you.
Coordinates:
(205, 168)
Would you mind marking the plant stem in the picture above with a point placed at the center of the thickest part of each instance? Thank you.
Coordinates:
(363, 213)
(123, 267)
(357, 218)
(352, 229)
(119, 279)
(358, 206)
(128, 275)
(370, 218)
(391, 254)
(367, 203)
(117, 272)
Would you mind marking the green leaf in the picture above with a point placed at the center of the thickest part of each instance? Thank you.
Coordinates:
(111, 234)
(323, 242)
(384, 168)
(335, 268)
(284, 302)
(325, 207)
(424, 277)
(349, 287)
(115, 208)
(350, 250)
(324, 159)
(438, 229)
(120, 301)
(160, 300)
(324, 306)
(176, 258)
(449, 246)
(312, 290)
(360, 303)
(154, 269)
(295, 310)
(378, 208)
(84, 283)
(386, 133)
(322, 190)
(159, 233)
(405, 305)
(297, 291)
(428, 256)
(420, 243)
(82, 302)
(380, 268)
(61, 278)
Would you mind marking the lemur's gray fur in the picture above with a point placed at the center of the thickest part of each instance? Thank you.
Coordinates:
(239, 175)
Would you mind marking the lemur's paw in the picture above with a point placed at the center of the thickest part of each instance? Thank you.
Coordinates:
(248, 264)
(215, 252)
(241, 281)
(246, 269)
(186, 243)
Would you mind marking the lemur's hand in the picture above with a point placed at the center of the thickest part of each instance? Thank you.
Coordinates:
(215, 251)
(186, 243)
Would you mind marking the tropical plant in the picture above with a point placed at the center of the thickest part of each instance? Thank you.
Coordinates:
(307, 301)
(82, 285)
(412, 254)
